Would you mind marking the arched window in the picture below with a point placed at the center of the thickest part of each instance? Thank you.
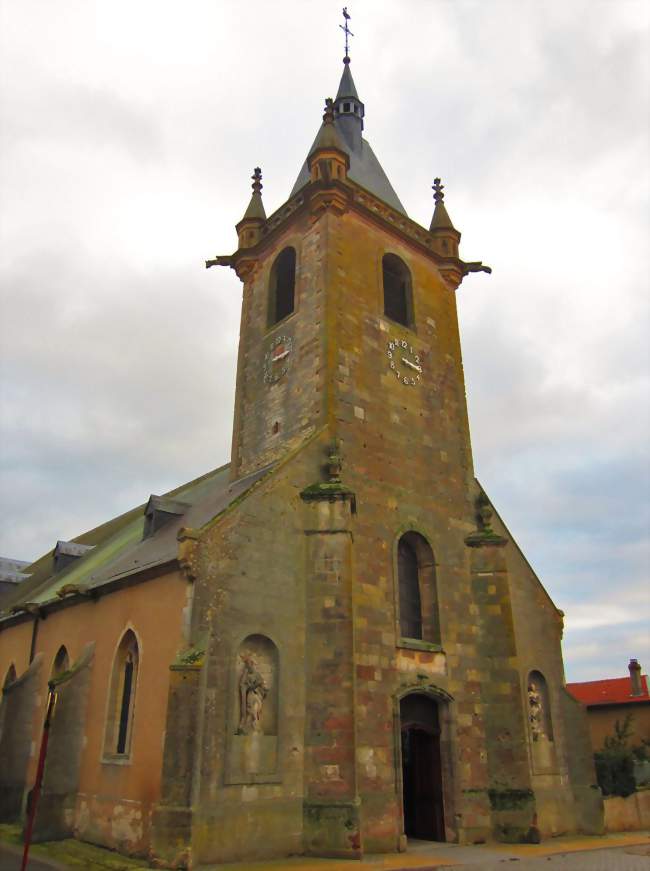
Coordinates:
(282, 286)
(121, 701)
(398, 297)
(418, 598)
(539, 708)
(410, 603)
(10, 677)
(61, 662)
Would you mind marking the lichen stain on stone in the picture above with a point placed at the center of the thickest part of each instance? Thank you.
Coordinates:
(83, 817)
(126, 825)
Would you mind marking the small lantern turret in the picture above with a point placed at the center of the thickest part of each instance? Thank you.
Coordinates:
(328, 161)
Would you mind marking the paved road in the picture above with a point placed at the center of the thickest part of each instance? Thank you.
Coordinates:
(10, 859)
(621, 859)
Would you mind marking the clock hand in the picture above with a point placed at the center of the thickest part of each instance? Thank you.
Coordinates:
(280, 356)
(412, 365)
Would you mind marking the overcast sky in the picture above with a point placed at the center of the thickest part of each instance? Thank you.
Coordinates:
(129, 130)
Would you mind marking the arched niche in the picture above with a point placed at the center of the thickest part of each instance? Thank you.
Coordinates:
(255, 711)
(417, 594)
(539, 708)
(257, 686)
(540, 722)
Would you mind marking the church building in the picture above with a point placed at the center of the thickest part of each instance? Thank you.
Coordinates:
(331, 644)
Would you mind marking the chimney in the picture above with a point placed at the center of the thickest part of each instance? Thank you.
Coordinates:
(635, 678)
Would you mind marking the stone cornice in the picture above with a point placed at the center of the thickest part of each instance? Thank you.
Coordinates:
(319, 196)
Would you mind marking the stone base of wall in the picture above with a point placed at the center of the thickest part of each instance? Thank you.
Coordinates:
(55, 817)
(117, 824)
(628, 814)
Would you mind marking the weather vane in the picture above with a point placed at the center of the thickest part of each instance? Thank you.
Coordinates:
(346, 30)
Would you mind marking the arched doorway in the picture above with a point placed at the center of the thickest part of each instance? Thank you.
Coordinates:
(421, 768)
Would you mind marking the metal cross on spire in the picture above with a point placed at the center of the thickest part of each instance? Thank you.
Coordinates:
(346, 30)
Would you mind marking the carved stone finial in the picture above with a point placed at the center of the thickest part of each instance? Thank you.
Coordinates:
(257, 180)
(332, 489)
(334, 462)
(484, 536)
(438, 189)
(484, 513)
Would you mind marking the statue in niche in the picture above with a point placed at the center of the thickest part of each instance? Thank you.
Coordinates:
(535, 712)
(252, 692)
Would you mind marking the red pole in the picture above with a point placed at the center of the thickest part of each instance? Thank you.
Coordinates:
(36, 791)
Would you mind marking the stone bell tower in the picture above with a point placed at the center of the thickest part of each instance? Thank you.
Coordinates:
(350, 380)
(313, 273)
(349, 336)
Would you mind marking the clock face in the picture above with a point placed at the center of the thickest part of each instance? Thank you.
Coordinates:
(276, 359)
(405, 362)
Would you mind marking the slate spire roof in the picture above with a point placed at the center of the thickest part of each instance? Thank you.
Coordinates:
(365, 169)
(346, 86)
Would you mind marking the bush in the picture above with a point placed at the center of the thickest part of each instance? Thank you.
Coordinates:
(615, 762)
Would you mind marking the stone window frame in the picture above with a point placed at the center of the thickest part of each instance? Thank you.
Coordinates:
(114, 702)
(61, 662)
(271, 303)
(409, 296)
(429, 598)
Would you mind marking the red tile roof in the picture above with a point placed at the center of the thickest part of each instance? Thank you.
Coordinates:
(616, 691)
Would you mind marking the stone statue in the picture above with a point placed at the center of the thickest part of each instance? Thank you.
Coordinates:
(535, 712)
(252, 692)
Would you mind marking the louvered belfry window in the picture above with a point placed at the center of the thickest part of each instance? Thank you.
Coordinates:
(410, 604)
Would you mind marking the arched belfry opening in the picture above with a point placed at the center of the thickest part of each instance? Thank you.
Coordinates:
(398, 295)
(422, 777)
(282, 286)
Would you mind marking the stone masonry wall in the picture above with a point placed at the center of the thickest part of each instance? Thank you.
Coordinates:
(271, 418)
(251, 571)
(407, 455)
(560, 787)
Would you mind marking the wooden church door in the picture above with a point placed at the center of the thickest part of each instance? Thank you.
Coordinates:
(421, 769)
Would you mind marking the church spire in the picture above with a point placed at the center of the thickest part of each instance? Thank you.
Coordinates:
(348, 114)
(349, 110)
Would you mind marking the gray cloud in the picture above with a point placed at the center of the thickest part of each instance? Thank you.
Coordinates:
(128, 137)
